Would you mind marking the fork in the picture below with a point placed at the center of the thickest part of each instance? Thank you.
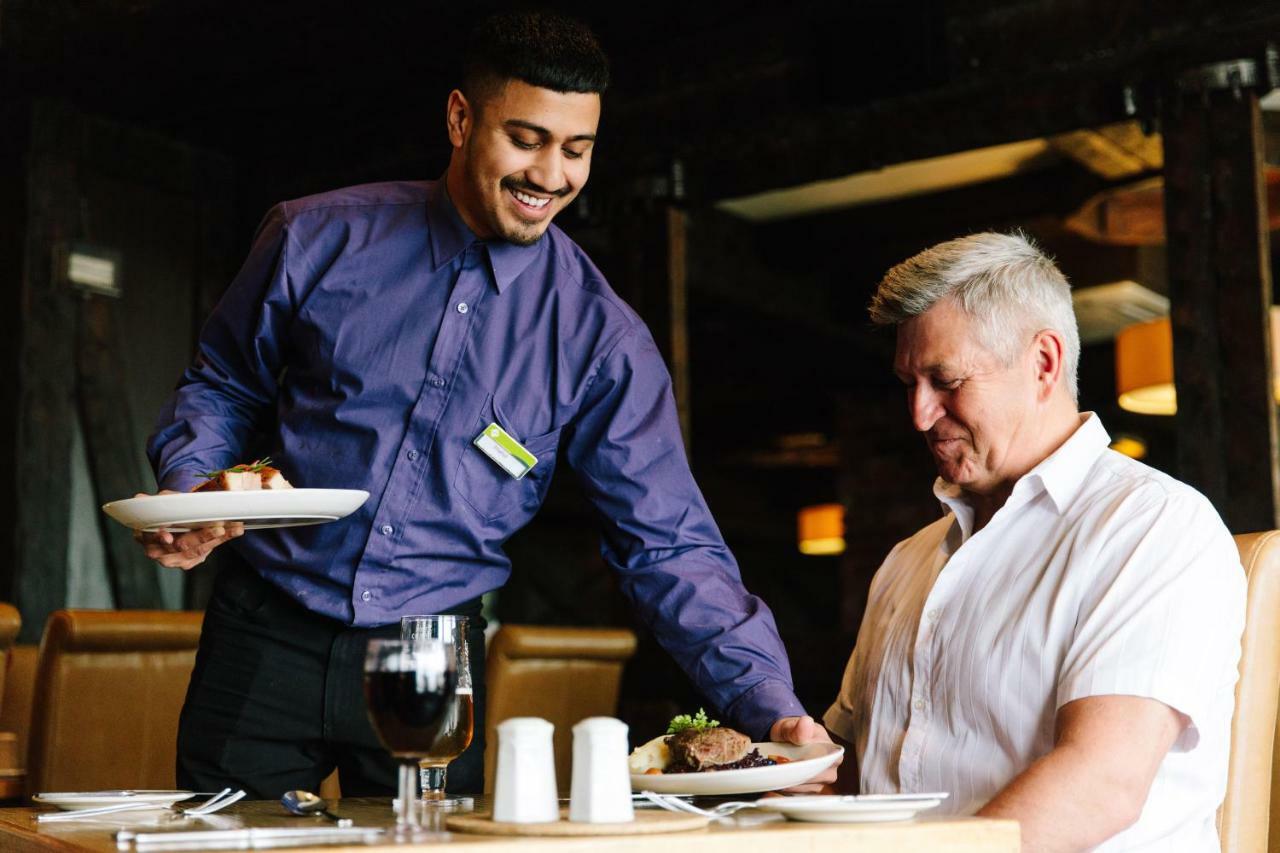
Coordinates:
(673, 804)
(221, 800)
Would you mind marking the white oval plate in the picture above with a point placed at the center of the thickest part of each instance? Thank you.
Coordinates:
(259, 509)
(75, 800)
(806, 762)
(837, 809)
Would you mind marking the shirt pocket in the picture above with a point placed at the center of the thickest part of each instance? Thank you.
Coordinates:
(490, 490)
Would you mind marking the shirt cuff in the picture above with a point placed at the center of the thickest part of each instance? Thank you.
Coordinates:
(759, 708)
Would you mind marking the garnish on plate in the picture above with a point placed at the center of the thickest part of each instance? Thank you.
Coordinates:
(255, 467)
(246, 477)
(698, 722)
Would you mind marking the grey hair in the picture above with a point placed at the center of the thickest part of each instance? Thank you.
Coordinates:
(1003, 281)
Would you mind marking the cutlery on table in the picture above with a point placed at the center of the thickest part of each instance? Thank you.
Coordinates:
(220, 801)
(675, 804)
(242, 839)
(306, 803)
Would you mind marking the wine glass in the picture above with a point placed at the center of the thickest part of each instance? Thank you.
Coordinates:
(458, 728)
(409, 688)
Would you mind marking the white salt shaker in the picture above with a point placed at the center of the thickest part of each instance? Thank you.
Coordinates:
(601, 791)
(525, 791)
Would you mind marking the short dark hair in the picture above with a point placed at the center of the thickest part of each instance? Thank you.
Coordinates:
(542, 49)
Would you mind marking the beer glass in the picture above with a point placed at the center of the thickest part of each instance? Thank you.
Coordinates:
(458, 726)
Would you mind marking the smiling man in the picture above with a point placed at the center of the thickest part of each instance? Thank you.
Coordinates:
(374, 339)
(1061, 646)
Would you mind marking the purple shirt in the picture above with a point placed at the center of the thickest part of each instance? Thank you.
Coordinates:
(370, 337)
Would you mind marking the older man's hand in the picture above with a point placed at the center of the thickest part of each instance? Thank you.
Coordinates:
(802, 730)
(186, 550)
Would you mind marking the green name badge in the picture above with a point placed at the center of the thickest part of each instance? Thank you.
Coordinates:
(508, 453)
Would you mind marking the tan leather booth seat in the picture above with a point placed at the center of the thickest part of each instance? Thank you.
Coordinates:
(109, 686)
(560, 674)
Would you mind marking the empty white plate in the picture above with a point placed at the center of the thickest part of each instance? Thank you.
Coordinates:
(838, 809)
(73, 800)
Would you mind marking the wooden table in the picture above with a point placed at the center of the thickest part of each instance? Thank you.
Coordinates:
(20, 832)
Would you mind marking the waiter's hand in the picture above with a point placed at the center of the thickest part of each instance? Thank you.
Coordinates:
(186, 550)
(802, 730)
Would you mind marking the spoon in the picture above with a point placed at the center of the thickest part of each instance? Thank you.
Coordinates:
(307, 803)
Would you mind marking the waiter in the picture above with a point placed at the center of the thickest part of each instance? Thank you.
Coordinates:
(372, 336)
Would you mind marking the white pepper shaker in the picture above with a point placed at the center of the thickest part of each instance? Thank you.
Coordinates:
(525, 791)
(601, 791)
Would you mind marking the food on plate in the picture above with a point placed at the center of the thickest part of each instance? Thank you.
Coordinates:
(650, 757)
(695, 744)
(707, 749)
(251, 477)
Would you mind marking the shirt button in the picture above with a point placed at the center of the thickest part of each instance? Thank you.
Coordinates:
(919, 705)
(413, 456)
(366, 595)
(437, 382)
(387, 530)
(462, 308)
(933, 615)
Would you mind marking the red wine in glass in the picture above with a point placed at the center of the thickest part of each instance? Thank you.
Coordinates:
(408, 689)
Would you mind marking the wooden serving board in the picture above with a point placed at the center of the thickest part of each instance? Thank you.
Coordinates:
(646, 823)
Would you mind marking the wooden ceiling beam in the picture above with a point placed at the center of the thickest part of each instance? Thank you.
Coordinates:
(797, 129)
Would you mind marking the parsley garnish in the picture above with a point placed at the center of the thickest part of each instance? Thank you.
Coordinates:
(254, 467)
(698, 722)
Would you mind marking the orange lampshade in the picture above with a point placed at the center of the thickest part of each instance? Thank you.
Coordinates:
(1130, 445)
(1144, 366)
(821, 529)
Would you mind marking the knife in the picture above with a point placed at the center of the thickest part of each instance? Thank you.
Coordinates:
(242, 838)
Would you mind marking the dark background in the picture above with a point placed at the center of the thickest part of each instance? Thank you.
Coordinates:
(165, 129)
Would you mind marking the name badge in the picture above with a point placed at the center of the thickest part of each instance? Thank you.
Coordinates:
(509, 454)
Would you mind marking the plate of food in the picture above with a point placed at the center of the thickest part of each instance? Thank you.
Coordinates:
(254, 494)
(76, 800)
(851, 809)
(700, 757)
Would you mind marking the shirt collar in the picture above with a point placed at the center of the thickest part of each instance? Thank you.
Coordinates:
(1061, 475)
(509, 260)
(450, 237)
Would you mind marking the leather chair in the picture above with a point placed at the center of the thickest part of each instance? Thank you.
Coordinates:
(1243, 820)
(15, 702)
(11, 774)
(10, 624)
(109, 686)
(560, 674)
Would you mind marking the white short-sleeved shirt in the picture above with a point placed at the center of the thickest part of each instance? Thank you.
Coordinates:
(1099, 576)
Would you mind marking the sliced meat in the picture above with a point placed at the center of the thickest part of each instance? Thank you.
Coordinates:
(700, 750)
(231, 481)
(245, 478)
(271, 478)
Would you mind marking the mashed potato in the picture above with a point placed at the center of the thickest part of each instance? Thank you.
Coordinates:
(653, 755)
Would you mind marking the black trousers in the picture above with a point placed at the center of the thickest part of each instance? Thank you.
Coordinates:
(276, 700)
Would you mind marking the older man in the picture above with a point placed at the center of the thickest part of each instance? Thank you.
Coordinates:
(1061, 646)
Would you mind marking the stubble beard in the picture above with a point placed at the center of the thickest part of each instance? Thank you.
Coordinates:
(527, 237)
